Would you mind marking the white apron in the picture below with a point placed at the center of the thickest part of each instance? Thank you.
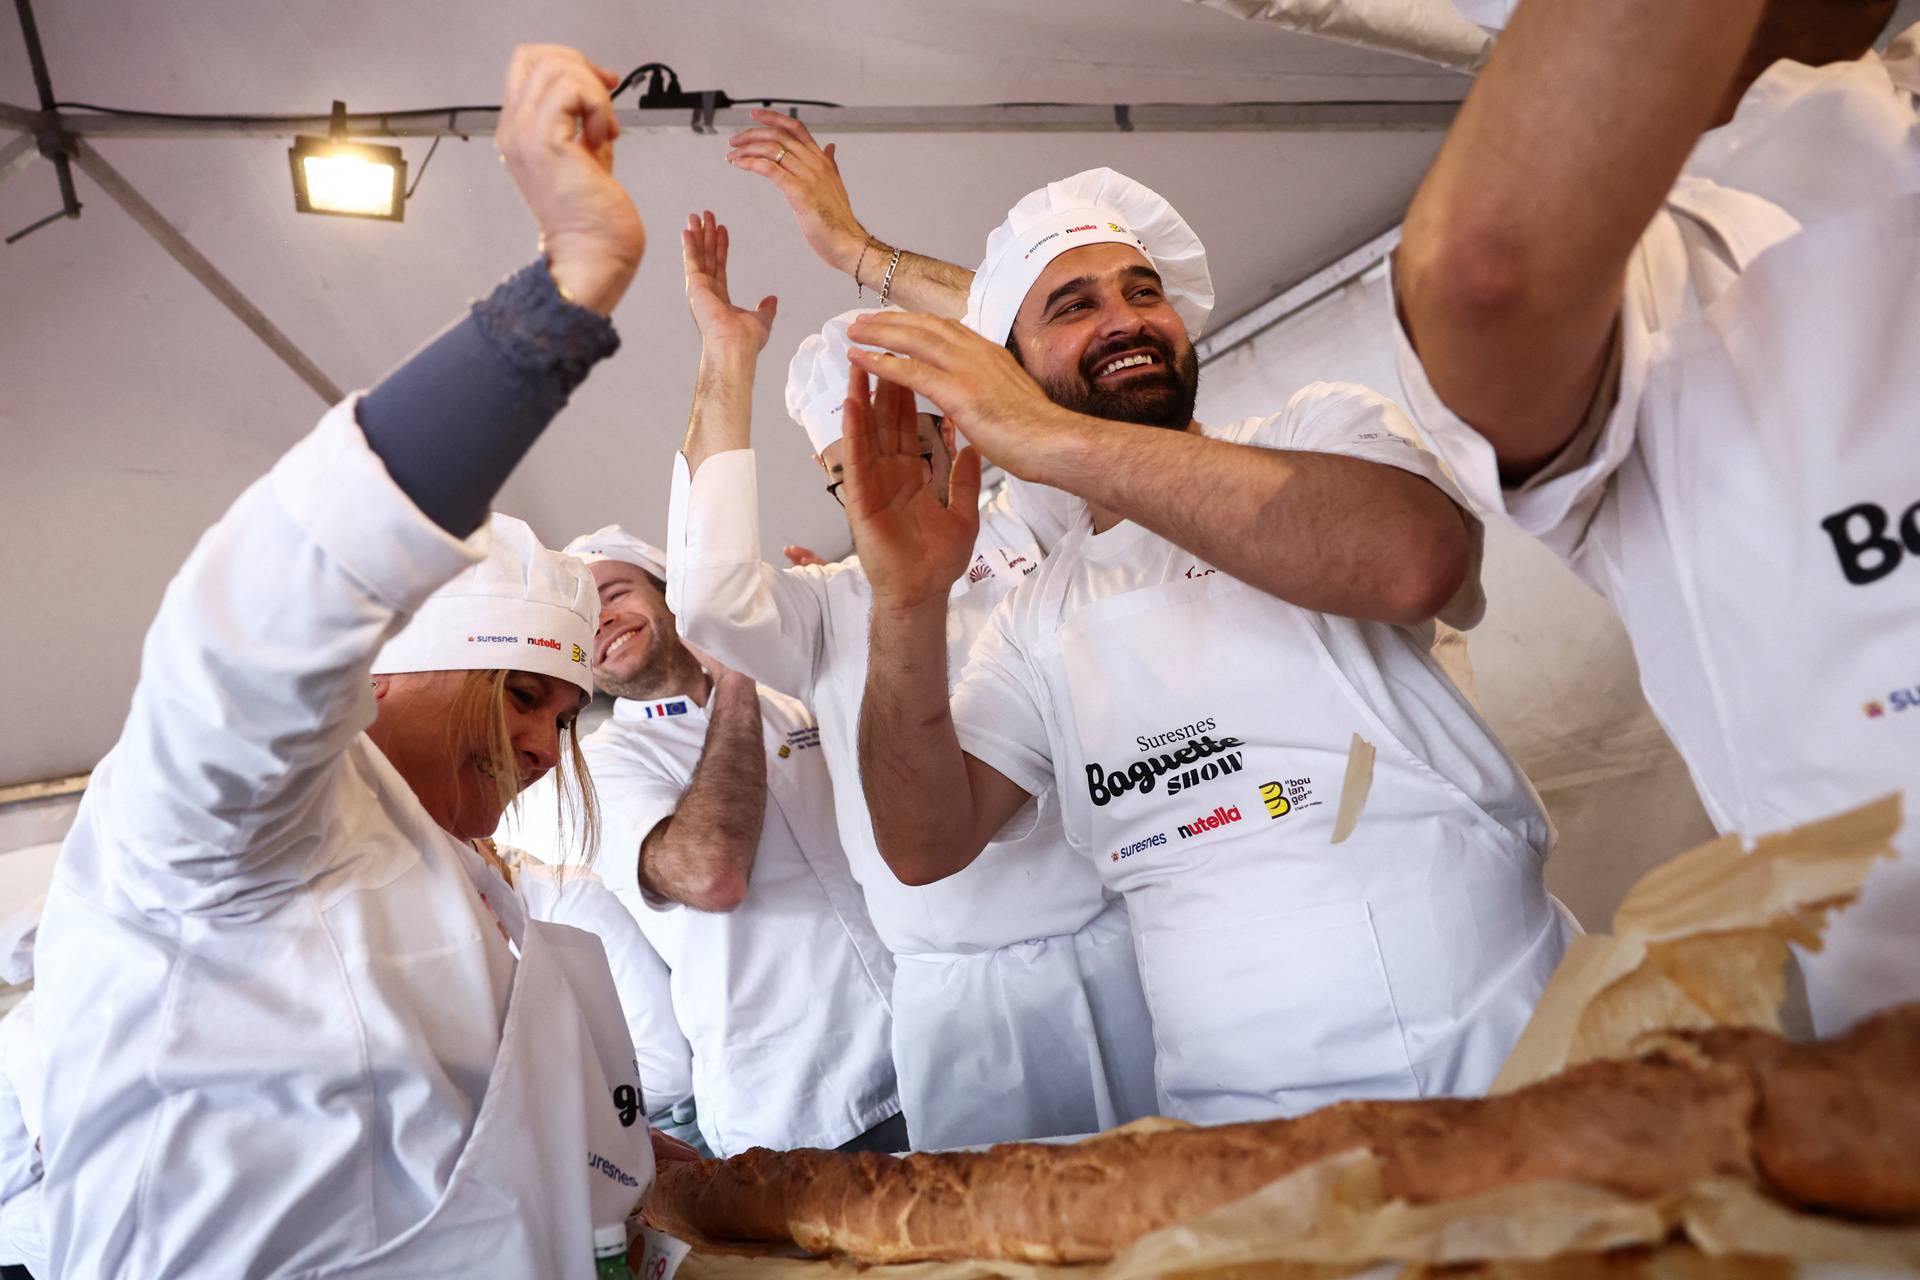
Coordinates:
(1791, 405)
(1035, 1040)
(1284, 972)
(560, 1144)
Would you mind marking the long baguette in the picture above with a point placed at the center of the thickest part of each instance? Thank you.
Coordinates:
(1832, 1126)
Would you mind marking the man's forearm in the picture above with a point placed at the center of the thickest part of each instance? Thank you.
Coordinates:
(1509, 275)
(703, 856)
(722, 415)
(911, 765)
(920, 283)
(1326, 532)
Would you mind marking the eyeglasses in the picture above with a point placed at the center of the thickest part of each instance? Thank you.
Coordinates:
(833, 490)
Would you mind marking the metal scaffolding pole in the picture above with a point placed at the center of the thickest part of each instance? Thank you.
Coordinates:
(156, 225)
(1171, 117)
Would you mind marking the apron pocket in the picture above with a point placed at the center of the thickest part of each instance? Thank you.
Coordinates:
(1274, 1016)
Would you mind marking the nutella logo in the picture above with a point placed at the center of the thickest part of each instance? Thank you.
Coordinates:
(1077, 230)
(543, 643)
(1220, 817)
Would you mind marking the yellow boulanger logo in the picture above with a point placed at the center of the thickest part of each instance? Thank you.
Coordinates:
(1114, 226)
(785, 751)
(1276, 800)
(579, 655)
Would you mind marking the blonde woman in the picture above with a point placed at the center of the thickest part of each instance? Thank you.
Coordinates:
(298, 1023)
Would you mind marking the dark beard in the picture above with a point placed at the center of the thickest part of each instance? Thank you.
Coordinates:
(1164, 399)
(663, 675)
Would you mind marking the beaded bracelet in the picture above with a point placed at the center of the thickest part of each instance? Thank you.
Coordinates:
(859, 291)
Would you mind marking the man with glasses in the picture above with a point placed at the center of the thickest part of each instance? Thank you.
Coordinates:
(1018, 1011)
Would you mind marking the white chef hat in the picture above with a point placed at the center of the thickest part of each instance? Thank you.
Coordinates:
(615, 543)
(522, 608)
(1098, 206)
(817, 379)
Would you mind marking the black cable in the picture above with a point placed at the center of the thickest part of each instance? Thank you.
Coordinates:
(421, 172)
(215, 118)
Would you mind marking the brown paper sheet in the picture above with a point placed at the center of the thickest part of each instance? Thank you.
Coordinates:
(1700, 941)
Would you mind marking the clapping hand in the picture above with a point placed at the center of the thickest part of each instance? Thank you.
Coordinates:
(912, 546)
(703, 252)
(783, 151)
(555, 137)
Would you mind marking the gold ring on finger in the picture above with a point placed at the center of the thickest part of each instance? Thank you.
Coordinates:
(780, 155)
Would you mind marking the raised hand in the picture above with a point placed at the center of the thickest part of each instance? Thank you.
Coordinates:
(912, 546)
(703, 253)
(978, 385)
(781, 150)
(555, 137)
(802, 557)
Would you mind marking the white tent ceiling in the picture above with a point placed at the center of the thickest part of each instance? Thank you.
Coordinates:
(133, 407)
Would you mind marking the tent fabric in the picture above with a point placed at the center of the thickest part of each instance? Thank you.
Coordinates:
(1432, 30)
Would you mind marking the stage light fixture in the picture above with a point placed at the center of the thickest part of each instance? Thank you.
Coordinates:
(349, 179)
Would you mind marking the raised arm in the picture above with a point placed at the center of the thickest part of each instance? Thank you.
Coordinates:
(1510, 274)
(728, 601)
(783, 151)
(731, 340)
(1326, 532)
(702, 856)
(934, 807)
(283, 605)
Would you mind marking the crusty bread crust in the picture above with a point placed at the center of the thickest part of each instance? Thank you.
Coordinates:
(1832, 1126)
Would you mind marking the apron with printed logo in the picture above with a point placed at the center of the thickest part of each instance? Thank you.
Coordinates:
(1782, 426)
(1042, 1038)
(1039, 1039)
(560, 1144)
(1284, 972)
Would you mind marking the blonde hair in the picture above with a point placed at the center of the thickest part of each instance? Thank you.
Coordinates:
(479, 715)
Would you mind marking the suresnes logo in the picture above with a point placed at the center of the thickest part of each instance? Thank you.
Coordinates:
(1153, 841)
(1896, 701)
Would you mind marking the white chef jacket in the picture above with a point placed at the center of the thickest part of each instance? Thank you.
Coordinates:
(1662, 504)
(270, 991)
(804, 631)
(1251, 960)
(784, 998)
(22, 1242)
(1016, 1017)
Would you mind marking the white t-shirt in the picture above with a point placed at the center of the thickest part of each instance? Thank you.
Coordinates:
(804, 632)
(1806, 144)
(1012, 708)
(785, 998)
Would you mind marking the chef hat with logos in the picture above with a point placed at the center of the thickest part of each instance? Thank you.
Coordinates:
(1098, 206)
(615, 543)
(522, 608)
(817, 379)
